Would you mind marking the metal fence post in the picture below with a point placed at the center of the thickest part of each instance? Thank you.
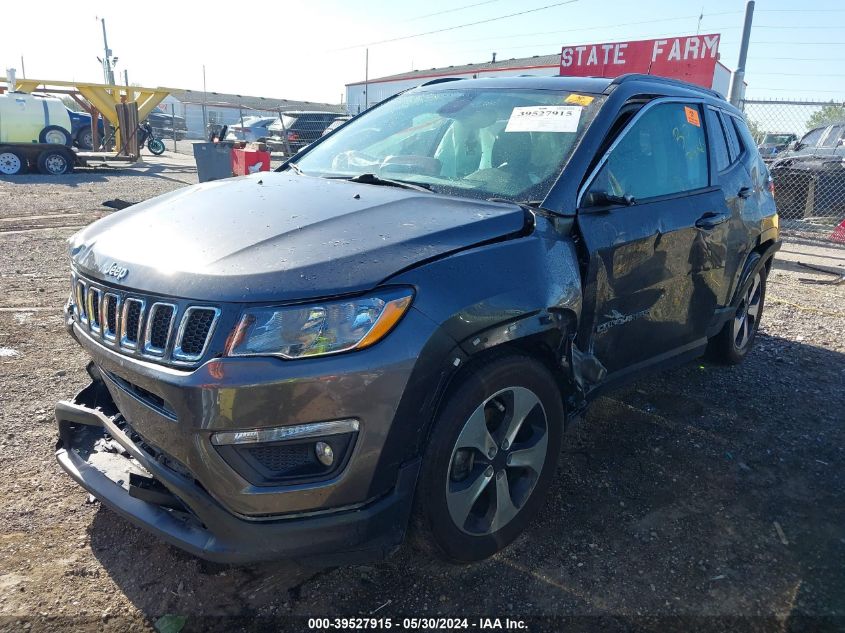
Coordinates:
(173, 123)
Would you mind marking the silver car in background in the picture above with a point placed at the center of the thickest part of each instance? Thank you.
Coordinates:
(251, 129)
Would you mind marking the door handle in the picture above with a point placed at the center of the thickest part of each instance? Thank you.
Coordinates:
(711, 220)
(744, 192)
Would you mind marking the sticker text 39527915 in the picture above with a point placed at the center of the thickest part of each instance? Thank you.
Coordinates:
(544, 119)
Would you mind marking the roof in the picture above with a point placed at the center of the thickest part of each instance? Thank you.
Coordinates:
(520, 63)
(251, 103)
(595, 85)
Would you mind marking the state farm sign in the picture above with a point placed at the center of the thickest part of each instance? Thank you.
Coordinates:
(691, 58)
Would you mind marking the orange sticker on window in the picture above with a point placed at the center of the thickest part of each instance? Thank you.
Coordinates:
(692, 116)
(581, 100)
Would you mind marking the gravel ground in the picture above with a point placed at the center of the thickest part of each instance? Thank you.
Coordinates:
(700, 492)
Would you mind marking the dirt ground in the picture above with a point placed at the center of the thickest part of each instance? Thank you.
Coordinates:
(704, 493)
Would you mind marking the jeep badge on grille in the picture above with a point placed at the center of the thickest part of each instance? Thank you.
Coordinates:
(116, 271)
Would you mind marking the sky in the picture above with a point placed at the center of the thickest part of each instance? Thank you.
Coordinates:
(310, 50)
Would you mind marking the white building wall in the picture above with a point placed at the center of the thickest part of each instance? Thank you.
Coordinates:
(381, 90)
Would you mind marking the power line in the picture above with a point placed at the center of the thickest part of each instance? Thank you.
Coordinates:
(461, 26)
(785, 43)
(466, 6)
(587, 28)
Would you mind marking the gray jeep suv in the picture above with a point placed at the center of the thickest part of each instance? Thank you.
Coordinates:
(394, 330)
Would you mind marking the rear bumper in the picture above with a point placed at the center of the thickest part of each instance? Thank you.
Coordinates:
(189, 518)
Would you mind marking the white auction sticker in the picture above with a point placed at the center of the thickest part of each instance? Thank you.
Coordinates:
(544, 119)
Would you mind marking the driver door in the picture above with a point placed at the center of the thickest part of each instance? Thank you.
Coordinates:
(652, 226)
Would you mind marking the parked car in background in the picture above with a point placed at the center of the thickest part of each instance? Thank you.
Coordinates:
(26, 118)
(335, 124)
(81, 129)
(163, 125)
(395, 331)
(773, 143)
(809, 177)
(253, 129)
(300, 127)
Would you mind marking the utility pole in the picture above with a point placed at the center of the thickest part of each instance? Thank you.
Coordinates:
(738, 82)
(107, 69)
(366, 79)
(126, 77)
(204, 108)
(23, 68)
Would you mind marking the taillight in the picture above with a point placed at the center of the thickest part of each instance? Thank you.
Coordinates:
(771, 186)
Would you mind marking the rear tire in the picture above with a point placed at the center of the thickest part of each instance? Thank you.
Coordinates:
(55, 162)
(84, 139)
(732, 344)
(490, 460)
(55, 135)
(12, 163)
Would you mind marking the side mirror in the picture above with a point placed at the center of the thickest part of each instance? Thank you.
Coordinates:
(794, 145)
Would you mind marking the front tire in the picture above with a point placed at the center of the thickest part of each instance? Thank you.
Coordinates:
(156, 146)
(12, 163)
(490, 459)
(732, 344)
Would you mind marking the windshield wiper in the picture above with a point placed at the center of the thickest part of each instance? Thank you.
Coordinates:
(372, 179)
(531, 204)
(295, 168)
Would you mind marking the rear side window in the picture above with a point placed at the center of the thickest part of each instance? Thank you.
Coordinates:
(663, 153)
(832, 138)
(733, 138)
(812, 137)
(720, 143)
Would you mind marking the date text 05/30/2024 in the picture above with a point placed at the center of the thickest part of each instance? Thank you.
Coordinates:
(353, 624)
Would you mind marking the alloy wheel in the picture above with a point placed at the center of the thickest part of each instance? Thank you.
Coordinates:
(497, 460)
(748, 313)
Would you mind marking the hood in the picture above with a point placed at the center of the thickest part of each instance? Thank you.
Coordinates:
(280, 237)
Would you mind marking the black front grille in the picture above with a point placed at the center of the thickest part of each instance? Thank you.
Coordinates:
(196, 331)
(133, 319)
(170, 332)
(95, 308)
(111, 314)
(160, 328)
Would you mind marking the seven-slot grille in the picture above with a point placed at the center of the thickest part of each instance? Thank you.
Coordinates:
(144, 326)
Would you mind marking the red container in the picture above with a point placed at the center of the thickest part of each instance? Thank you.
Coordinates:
(246, 161)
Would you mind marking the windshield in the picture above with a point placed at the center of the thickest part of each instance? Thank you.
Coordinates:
(778, 139)
(509, 144)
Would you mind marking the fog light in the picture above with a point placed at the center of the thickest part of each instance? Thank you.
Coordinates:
(324, 452)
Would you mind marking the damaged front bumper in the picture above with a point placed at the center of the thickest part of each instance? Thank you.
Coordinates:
(107, 457)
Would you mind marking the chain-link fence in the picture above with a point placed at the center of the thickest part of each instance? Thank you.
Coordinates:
(803, 143)
(285, 126)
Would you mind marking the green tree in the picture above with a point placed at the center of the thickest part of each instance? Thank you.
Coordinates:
(70, 104)
(756, 133)
(832, 113)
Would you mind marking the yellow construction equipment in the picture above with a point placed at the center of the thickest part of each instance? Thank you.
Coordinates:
(102, 96)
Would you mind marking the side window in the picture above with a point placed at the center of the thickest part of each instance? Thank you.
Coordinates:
(811, 138)
(832, 138)
(733, 138)
(663, 153)
(739, 130)
(717, 136)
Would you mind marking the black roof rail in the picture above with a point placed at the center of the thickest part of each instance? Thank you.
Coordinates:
(665, 80)
(442, 80)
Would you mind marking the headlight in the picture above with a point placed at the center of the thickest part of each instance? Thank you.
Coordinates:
(314, 330)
